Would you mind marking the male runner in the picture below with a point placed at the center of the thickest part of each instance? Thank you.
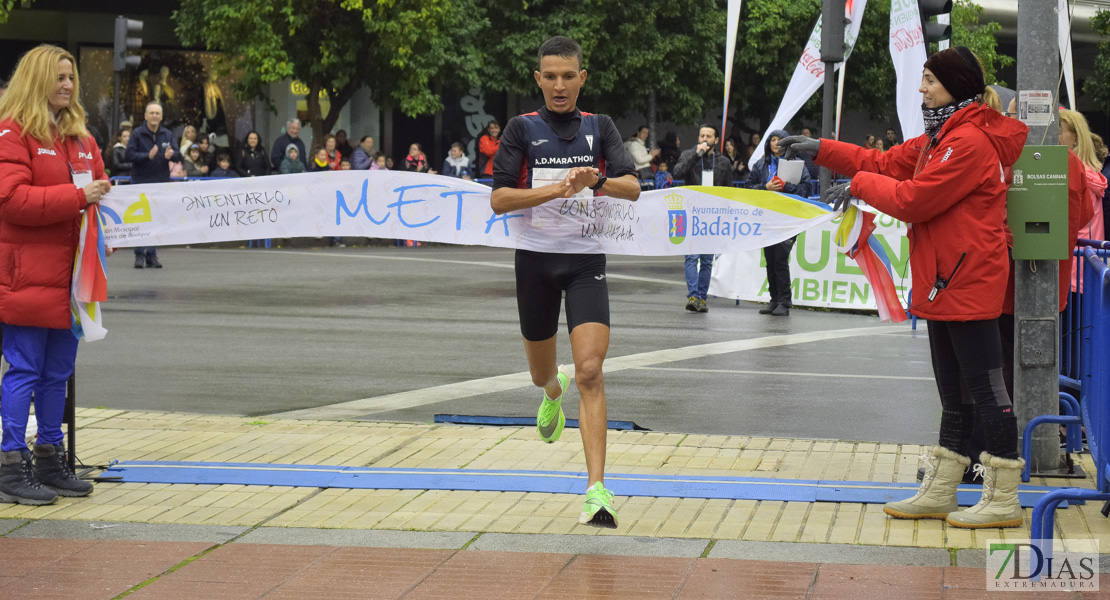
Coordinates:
(555, 153)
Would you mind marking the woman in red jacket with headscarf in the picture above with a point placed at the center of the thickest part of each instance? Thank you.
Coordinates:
(949, 186)
(50, 171)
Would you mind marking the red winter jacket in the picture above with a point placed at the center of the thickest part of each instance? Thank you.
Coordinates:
(954, 203)
(40, 219)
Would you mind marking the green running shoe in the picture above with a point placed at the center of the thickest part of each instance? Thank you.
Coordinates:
(550, 420)
(598, 509)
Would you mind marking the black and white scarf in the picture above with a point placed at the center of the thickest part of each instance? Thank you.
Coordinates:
(936, 117)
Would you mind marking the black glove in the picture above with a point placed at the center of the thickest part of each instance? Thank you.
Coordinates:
(799, 144)
(840, 196)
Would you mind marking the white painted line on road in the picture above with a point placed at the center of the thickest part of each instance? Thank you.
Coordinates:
(789, 373)
(513, 381)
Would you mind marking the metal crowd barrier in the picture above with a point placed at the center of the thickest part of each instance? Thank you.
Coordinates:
(1093, 334)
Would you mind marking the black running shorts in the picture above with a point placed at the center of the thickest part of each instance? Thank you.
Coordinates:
(541, 279)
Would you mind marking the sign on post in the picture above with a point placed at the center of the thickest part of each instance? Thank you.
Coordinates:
(1037, 204)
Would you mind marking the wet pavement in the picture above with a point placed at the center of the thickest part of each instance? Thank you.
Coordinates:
(384, 333)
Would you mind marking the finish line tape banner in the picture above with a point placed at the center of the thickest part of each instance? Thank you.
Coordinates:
(434, 208)
(820, 276)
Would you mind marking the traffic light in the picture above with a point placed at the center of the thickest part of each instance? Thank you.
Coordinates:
(832, 31)
(939, 31)
(125, 28)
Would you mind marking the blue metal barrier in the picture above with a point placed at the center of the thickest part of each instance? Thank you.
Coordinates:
(1094, 382)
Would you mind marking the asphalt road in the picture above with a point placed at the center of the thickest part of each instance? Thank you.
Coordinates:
(405, 333)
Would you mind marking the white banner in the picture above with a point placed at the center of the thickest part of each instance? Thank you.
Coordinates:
(730, 54)
(810, 72)
(819, 275)
(434, 208)
(907, 50)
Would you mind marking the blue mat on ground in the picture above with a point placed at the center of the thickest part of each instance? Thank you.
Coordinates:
(556, 482)
(524, 421)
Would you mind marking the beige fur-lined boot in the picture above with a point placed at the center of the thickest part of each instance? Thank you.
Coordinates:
(944, 470)
(999, 505)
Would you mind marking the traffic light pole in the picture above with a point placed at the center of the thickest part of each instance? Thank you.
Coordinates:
(123, 42)
(114, 125)
(1036, 312)
(832, 52)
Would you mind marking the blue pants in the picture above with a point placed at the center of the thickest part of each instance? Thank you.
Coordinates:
(42, 361)
(149, 252)
(697, 279)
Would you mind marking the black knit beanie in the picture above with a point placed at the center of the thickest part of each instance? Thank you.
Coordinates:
(958, 71)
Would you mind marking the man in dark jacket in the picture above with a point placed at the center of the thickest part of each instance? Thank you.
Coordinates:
(764, 176)
(150, 150)
(292, 135)
(702, 165)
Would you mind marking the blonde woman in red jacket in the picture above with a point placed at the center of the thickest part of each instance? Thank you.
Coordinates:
(50, 171)
(949, 186)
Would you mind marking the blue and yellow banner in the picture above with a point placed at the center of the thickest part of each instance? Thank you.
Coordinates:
(434, 208)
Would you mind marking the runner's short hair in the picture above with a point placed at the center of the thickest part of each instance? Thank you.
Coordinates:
(561, 46)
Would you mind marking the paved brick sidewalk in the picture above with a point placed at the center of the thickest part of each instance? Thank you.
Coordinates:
(232, 541)
(66, 568)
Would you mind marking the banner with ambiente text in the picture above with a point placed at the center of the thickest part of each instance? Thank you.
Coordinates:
(434, 208)
(819, 275)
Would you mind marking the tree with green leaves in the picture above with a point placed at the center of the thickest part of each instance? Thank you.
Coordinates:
(979, 38)
(397, 49)
(1098, 86)
(659, 58)
(6, 7)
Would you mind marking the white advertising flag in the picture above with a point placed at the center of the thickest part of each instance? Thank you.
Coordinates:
(1064, 31)
(730, 53)
(907, 50)
(809, 74)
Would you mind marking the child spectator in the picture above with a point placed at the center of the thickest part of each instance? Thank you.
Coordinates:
(320, 161)
(457, 164)
(194, 165)
(292, 161)
(663, 179)
(224, 167)
(344, 164)
(415, 160)
(378, 164)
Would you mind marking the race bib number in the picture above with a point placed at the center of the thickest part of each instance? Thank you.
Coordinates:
(552, 214)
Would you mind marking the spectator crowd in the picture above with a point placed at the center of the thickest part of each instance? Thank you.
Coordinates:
(199, 156)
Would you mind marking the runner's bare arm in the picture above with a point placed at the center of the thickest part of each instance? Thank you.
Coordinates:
(506, 199)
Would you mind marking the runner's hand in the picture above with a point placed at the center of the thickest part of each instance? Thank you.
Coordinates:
(799, 144)
(580, 178)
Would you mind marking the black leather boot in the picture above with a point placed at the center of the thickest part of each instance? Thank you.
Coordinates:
(17, 481)
(52, 471)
